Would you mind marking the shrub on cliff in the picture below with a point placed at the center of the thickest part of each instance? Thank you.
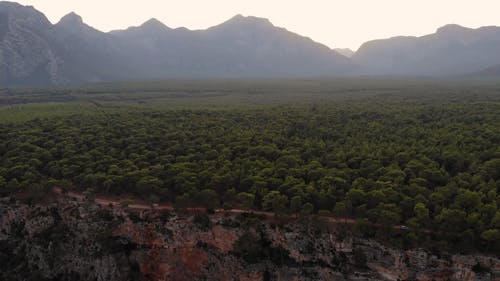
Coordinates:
(254, 249)
(202, 220)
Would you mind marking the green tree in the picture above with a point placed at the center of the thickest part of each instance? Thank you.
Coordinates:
(295, 204)
(388, 218)
(307, 209)
(356, 196)
(3, 182)
(208, 198)
(492, 237)
(275, 201)
(148, 184)
(421, 213)
(495, 222)
(13, 185)
(246, 200)
(451, 220)
(340, 210)
(89, 195)
(492, 169)
(468, 199)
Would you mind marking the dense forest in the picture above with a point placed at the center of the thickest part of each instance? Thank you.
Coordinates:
(430, 164)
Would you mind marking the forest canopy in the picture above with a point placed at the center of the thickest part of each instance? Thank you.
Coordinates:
(425, 163)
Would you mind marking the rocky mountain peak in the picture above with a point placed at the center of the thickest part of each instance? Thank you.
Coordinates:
(71, 19)
(452, 29)
(240, 20)
(154, 24)
(6, 5)
(25, 15)
(73, 23)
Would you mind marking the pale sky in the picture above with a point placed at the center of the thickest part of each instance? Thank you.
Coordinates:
(337, 24)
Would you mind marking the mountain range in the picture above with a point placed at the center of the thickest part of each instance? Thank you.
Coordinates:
(452, 50)
(34, 52)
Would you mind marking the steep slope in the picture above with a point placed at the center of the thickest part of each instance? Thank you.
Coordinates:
(89, 55)
(452, 50)
(27, 53)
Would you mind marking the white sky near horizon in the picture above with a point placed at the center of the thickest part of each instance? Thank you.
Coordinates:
(337, 24)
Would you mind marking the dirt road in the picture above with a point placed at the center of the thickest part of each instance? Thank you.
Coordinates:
(105, 202)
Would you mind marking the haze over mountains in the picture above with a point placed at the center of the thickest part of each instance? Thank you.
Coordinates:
(35, 52)
(452, 50)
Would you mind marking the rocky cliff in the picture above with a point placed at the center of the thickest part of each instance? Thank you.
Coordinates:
(27, 52)
(69, 240)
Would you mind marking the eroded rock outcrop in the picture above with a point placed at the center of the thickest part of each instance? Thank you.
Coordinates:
(27, 53)
(69, 240)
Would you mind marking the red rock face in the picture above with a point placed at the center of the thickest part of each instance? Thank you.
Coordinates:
(181, 259)
(187, 263)
(223, 239)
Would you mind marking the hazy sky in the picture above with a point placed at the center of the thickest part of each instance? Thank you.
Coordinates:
(346, 23)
